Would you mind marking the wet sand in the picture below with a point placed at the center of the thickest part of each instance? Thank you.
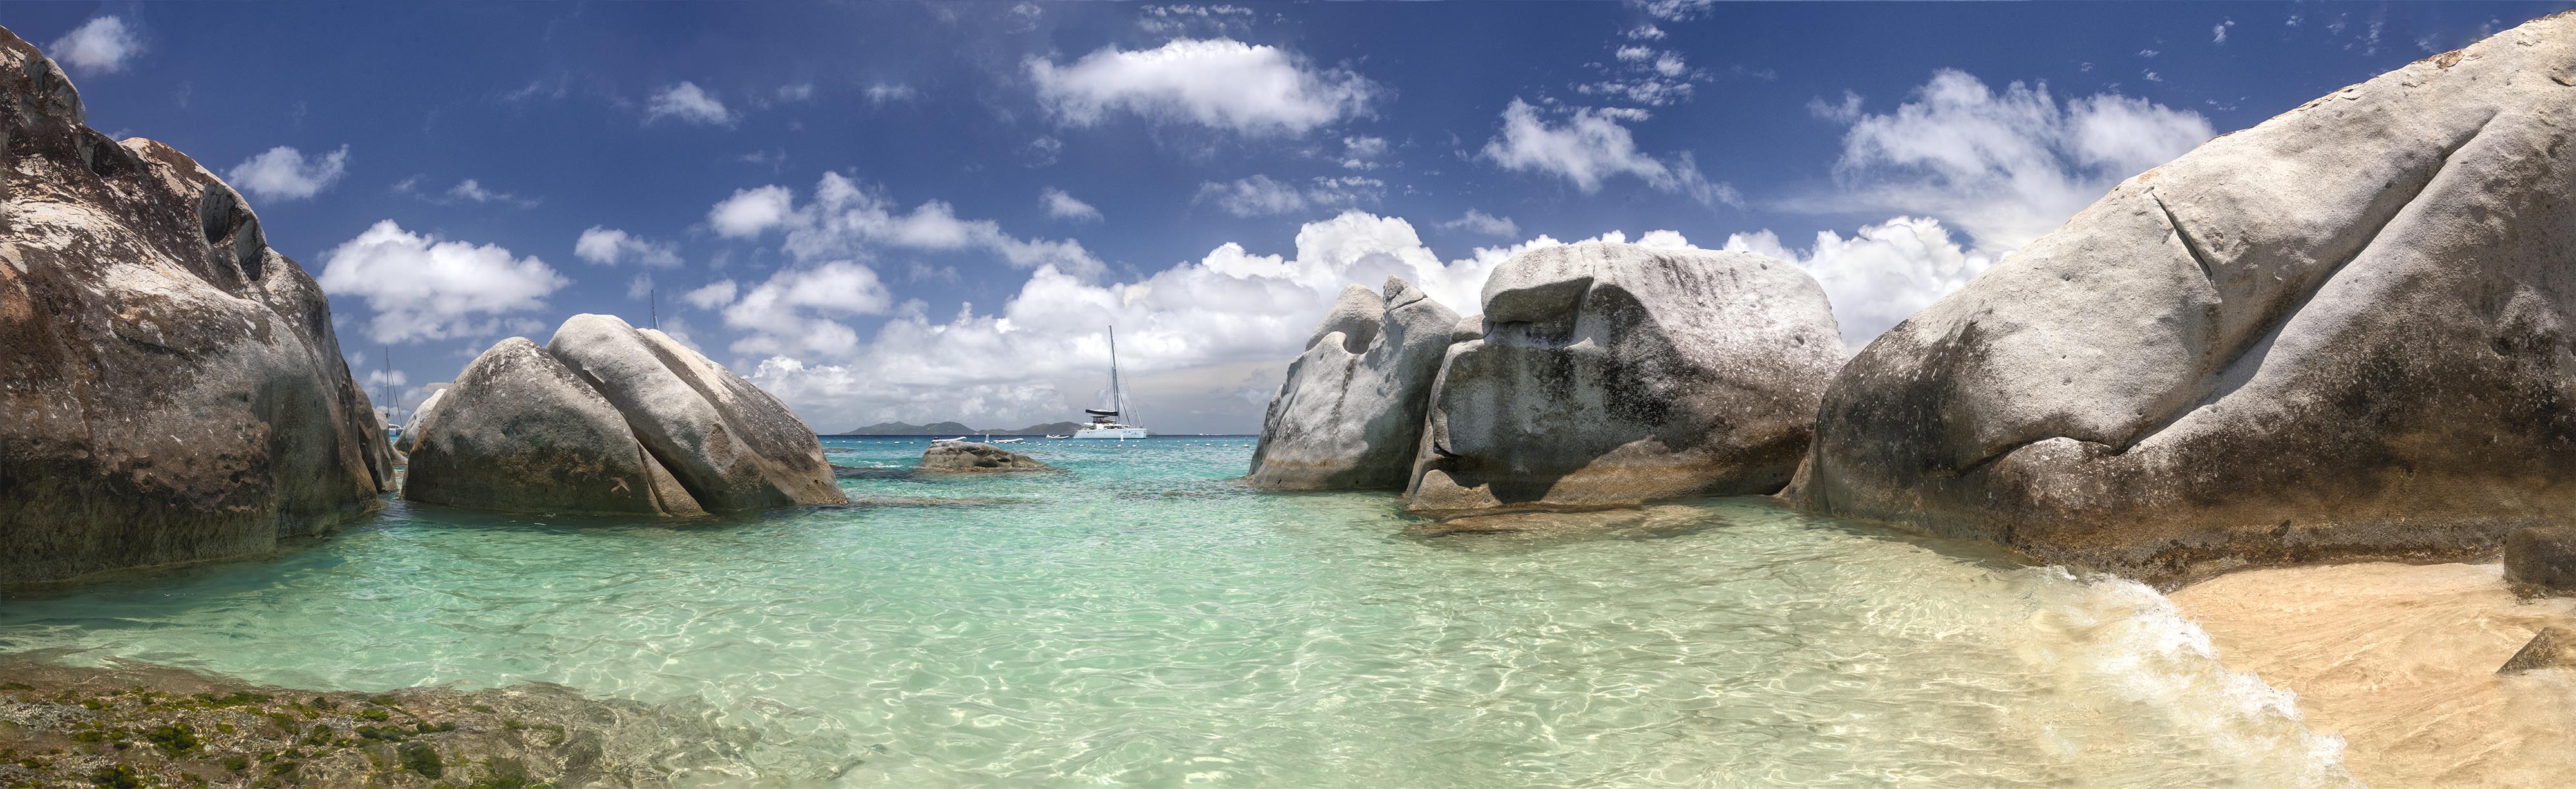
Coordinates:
(2399, 661)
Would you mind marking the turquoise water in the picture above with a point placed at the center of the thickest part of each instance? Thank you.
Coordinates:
(1144, 619)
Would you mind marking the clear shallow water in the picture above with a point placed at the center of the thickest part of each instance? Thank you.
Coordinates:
(1143, 619)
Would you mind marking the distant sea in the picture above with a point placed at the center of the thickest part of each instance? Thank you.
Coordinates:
(1144, 618)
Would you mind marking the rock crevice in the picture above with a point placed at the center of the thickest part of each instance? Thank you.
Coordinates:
(608, 418)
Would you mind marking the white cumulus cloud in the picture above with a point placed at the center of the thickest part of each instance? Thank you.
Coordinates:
(608, 247)
(2004, 166)
(714, 295)
(883, 93)
(1203, 340)
(1480, 222)
(1261, 195)
(284, 173)
(1221, 84)
(423, 288)
(471, 190)
(1590, 148)
(1882, 274)
(688, 102)
(750, 211)
(1065, 206)
(847, 222)
(1674, 9)
(99, 46)
(799, 310)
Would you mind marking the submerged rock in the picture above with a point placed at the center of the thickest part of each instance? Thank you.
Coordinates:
(611, 420)
(1612, 374)
(519, 432)
(1349, 415)
(172, 388)
(2552, 647)
(971, 456)
(2342, 333)
(138, 725)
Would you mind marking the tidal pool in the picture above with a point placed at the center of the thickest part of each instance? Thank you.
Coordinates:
(1142, 618)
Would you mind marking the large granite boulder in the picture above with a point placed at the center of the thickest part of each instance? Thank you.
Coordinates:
(2342, 333)
(1613, 374)
(732, 445)
(419, 417)
(1349, 415)
(171, 387)
(523, 433)
(2541, 560)
(972, 456)
(608, 418)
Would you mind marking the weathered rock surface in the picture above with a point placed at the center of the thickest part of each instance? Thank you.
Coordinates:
(419, 418)
(2341, 333)
(1612, 374)
(140, 725)
(171, 386)
(2542, 559)
(520, 432)
(972, 456)
(2552, 647)
(732, 445)
(1349, 416)
(611, 419)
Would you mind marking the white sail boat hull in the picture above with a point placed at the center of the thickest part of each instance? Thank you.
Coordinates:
(1106, 423)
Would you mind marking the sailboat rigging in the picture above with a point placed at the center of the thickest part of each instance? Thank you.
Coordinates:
(1105, 422)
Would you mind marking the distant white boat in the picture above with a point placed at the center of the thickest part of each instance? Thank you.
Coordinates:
(1008, 440)
(1104, 422)
(1059, 438)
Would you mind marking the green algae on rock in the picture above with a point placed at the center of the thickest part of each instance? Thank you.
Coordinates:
(138, 725)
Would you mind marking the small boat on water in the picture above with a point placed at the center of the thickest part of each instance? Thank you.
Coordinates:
(1059, 438)
(1104, 422)
(1008, 440)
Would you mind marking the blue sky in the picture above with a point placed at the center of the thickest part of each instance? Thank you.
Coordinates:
(819, 192)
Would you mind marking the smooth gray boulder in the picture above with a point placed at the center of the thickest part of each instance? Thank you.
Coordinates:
(972, 456)
(1349, 415)
(419, 421)
(732, 445)
(1614, 374)
(520, 432)
(2342, 333)
(171, 389)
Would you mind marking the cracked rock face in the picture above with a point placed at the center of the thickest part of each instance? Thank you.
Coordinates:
(1613, 374)
(2341, 333)
(611, 419)
(1349, 416)
(170, 387)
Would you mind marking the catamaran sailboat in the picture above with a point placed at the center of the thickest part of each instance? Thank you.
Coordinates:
(1104, 422)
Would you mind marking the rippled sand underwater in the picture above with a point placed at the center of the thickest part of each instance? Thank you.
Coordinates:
(1144, 619)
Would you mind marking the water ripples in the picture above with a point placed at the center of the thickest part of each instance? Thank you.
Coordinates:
(1146, 619)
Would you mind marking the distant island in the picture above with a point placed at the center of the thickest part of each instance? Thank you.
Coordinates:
(958, 429)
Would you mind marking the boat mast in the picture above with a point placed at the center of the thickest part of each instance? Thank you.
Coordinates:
(1116, 403)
